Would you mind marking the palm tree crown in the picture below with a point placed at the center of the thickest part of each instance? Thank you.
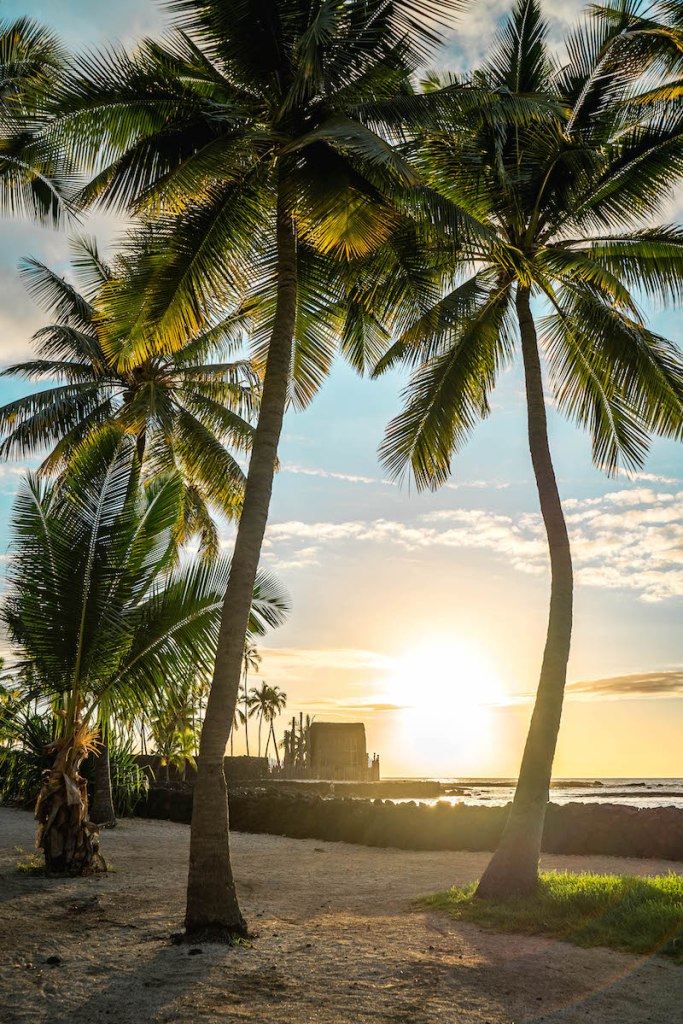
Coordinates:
(281, 101)
(182, 406)
(561, 203)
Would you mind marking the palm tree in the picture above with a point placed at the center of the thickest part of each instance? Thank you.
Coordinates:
(277, 702)
(181, 405)
(101, 618)
(258, 704)
(561, 250)
(251, 660)
(32, 183)
(267, 703)
(253, 125)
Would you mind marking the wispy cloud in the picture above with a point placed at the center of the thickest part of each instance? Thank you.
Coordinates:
(638, 684)
(357, 478)
(312, 658)
(630, 538)
(327, 474)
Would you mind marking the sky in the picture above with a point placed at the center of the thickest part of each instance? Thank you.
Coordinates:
(424, 615)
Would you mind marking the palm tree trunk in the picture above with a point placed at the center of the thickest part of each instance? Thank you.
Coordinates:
(212, 905)
(68, 838)
(260, 723)
(277, 752)
(102, 810)
(513, 870)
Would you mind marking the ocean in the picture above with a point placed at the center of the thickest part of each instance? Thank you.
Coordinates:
(492, 792)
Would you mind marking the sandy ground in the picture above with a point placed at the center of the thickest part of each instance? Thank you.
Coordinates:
(339, 942)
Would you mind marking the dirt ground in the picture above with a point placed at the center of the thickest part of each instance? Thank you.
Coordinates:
(339, 942)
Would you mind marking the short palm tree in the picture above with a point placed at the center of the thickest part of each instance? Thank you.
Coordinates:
(32, 183)
(557, 268)
(249, 125)
(184, 408)
(102, 619)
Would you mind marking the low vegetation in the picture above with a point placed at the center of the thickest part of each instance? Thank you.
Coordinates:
(636, 915)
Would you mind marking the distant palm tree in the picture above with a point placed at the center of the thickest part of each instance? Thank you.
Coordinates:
(277, 702)
(559, 260)
(259, 702)
(251, 659)
(266, 125)
(182, 406)
(267, 703)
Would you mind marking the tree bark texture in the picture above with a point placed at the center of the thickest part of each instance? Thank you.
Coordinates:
(212, 905)
(513, 869)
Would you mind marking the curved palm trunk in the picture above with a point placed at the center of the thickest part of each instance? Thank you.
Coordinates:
(102, 811)
(212, 905)
(513, 870)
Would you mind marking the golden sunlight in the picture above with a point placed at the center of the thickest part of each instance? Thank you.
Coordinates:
(446, 693)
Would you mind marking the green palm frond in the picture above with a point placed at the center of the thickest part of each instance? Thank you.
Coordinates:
(556, 206)
(181, 406)
(95, 604)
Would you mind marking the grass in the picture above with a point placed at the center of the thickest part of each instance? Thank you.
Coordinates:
(636, 915)
(30, 863)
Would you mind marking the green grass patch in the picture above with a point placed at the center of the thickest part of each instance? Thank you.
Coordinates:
(30, 863)
(637, 915)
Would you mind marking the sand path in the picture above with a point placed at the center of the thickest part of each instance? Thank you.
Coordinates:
(339, 943)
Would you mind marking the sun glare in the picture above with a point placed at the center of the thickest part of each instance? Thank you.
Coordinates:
(447, 694)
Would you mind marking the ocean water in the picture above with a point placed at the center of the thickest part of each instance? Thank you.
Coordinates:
(633, 792)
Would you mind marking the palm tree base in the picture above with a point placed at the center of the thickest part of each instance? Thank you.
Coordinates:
(69, 841)
(216, 934)
(513, 869)
(212, 905)
(503, 880)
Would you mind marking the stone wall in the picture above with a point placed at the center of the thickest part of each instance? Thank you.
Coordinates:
(237, 769)
(573, 828)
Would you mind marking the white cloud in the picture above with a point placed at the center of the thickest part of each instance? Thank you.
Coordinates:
(327, 474)
(625, 539)
(355, 478)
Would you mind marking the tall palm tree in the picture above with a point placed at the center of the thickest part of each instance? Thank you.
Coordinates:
(251, 659)
(562, 252)
(184, 408)
(102, 619)
(253, 124)
(32, 182)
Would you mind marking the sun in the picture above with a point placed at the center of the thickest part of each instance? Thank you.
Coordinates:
(447, 695)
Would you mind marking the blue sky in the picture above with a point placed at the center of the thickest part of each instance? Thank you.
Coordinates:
(405, 601)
